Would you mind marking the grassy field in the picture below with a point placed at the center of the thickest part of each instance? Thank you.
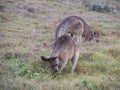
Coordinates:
(26, 31)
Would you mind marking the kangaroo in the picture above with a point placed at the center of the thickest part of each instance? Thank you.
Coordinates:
(64, 49)
(77, 27)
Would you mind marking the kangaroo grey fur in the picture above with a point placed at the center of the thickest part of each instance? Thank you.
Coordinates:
(76, 26)
(64, 49)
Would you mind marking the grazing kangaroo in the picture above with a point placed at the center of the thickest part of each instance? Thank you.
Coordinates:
(77, 27)
(63, 50)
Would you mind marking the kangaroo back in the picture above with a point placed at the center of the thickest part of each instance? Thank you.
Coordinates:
(70, 21)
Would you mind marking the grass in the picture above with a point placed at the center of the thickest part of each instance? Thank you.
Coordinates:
(25, 39)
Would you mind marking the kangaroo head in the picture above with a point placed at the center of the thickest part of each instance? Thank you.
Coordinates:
(96, 36)
(53, 62)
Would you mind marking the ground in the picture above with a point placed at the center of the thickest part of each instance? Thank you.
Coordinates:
(27, 29)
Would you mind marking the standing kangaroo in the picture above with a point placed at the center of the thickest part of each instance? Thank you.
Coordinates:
(64, 49)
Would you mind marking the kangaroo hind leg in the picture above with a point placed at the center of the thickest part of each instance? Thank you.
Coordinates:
(74, 60)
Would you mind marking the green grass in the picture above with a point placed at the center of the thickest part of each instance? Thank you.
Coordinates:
(25, 39)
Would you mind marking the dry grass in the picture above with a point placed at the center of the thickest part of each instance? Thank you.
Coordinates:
(25, 36)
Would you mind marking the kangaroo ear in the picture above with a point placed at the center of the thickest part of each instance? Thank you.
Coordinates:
(96, 33)
(53, 58)
(44, 59)
(48, 59)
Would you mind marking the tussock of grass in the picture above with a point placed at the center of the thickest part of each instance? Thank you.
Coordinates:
(85, 68)
(114, 52)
